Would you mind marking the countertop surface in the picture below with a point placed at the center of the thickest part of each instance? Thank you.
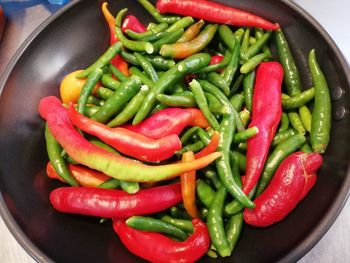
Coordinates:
(25, 15)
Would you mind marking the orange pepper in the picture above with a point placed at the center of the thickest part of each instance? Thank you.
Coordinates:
(211, 147)
(188, 187)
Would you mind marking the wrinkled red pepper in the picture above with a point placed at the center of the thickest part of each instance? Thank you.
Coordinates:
(94, 157)
(266, 115)
(132, 23)
(117, 61)
(128, 142)
(158, 248)
(293, 179)
(83, 175)
(169, 121)
(111, 203)
(214, 12)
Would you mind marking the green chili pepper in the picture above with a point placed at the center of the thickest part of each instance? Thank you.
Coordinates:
(188, 134)
(235, 169)
(291, 73)
(169, 38)
(185, 225)
(242, 160)
(184, 99)
(234, 229)
(130, 58)
(54, 152)
(194, 147)
(129, 187)
(299, 100)
(131, 108)
(203, 104)
(232, 66)
(147, 67)
(252, 40)
(306, 148)
(216, 224)
(253, 62)
(148, 38)
(102, 61)
(236, 84)
(136, 72)
(218, 81)
(245, 41)
(173, 75)
(94, 101)
(227, 36)
(242, 136)
(258, 34)
(296, 122)
(321, 114)
(110, 184)
(255, 48)
(281, 136)
(116, 72)
(205, 193)
(181, 24)
(214, 104)
(248, 88)
(156, 15)
(218, 66)
(244, 115)
(91, 110)
(160, 63)
(104, 93)
(178, 213)
(155, 225)
(284, 124)
(306, 117)
(237, 101)
(203, 136)
(282, 150)
(158, 107)
(212, 176)
(126, 91)
(87, 88)
(109, 82)
(132, 44)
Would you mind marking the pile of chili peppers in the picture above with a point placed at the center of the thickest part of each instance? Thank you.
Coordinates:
(180, 131)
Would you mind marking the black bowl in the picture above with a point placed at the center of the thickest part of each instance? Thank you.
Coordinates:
(72, 39)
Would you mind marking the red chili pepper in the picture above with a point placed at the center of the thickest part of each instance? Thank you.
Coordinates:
(83, 175)
(128, 142)
(211, 147)
(214, 12)
(292, 181)
(112, 203)
(117, 61)
(266, 115)
(169, 121)
(216, 59)
(94, 157)
(131, 22)
(158, 248)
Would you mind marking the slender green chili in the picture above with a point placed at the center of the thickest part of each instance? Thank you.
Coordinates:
(234, 229)
(156, 15)
(284, 123)
(109, 82)
(147, 67)
(296, 122)
(184, 99)
(298, 100)
(205, 193)
(248, 89)
(218, 81)
(306, 117)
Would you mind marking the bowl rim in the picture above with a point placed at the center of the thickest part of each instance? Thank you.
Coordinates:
(299, 250)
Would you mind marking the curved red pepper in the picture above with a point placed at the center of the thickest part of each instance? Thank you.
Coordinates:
(128, 142)
(169, 121)
(115, 203)
(211, 147)
(158, 248)
(266, 115)
(292, 181)
(83, 175)
(131, 22)
(117, 61)
(94, 157)
(214, 12)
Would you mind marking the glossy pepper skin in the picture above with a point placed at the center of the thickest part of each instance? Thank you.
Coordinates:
(132, 23)
(266, 115)
(128, 142)
(158, 248)
(83, 152)
(214, 12)
(292, 181)
(169, 121)
(112, 203)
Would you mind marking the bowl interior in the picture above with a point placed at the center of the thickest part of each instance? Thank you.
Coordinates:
(73, 40)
